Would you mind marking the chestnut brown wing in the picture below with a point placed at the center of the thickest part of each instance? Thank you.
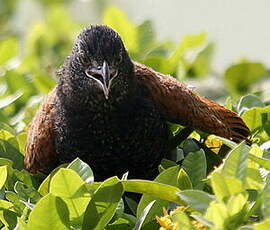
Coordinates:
(40, 148)
(179, 104)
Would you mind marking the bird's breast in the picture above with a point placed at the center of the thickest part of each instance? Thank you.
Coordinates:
(131, 137)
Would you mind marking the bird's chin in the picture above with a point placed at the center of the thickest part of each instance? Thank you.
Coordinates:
(98, 93)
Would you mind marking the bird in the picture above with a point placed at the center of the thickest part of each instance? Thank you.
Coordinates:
(113, 112)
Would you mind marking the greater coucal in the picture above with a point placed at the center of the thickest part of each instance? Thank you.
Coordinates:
(111, 112)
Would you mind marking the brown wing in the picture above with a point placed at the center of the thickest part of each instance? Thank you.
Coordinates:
(40, 148)
(179, 104)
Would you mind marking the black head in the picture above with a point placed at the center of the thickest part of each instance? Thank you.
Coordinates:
(99, 60)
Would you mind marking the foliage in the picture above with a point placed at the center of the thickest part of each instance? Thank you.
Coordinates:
(233, 196)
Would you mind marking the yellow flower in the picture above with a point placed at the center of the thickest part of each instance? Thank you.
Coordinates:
(213, 143)
(198, 225)
(166, 222)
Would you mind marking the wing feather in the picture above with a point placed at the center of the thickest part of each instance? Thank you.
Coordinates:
(179, 104)
(40, 147)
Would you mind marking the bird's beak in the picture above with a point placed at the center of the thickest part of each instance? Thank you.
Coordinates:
(104, 73)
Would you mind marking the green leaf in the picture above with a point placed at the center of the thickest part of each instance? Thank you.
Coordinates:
(8, 49)
(8, 216)
(256, 151)
(184, 181)
(202, 220)
(165, 163)
(155, 189)
(236, 204)
(116, 19)
(16, 200)
(143, 216)
(202, 64)
(44, 83)
(52, 211)
(241, 76)
(146, 37)
(6, 101)
(181, 219)
(120, 224)
(83, 169)
(235, 164)
(44, 187)
(132, 205)
(265, 163)
(155, 62)
(168, 177)
(190, 46)
(266, 199)
(217, 214)
(264, 225)
(19, 82)
(254, 179)
(195, 166)
(103, 204)
(254, 117)
(227, 142)
(224, 187)
(3, 176)
(249, 101)
(25, 192)
(9, 148)
(68, 185)
(247, 227)
(190, 146)
(196, 199)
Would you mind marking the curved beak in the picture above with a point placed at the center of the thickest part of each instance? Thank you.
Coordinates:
(105, 74)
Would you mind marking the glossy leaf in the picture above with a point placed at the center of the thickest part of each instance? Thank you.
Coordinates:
(3, 175)
(254, 117)
(196, 199)
(83, 169)
(184, 181)
(168, 177)
(265, 163)
(52, 211)
(266, 199)
(224, 187)
(143, 215)
(179, 218)
(68, 185)
(195, 166)
(235, 164)
(249, 101)
(103, 204)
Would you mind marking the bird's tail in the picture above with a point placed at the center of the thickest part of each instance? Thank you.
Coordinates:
(235, 128)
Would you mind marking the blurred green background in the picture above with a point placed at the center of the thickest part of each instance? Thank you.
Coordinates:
(36, 36)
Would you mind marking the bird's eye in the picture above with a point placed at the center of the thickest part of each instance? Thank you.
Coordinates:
(83, 59)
